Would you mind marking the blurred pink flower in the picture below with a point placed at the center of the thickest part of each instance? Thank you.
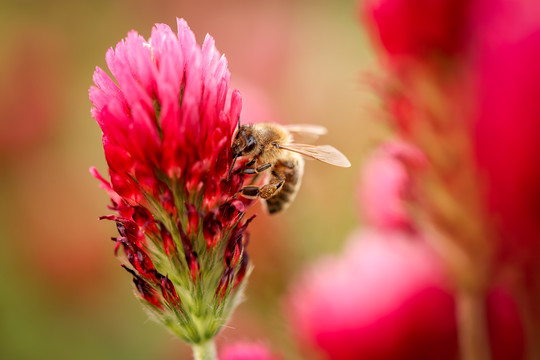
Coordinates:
(495, 79)
(417, 28)
(506, 141)
(384, 298)
(167, 124)
(502, 21)
(385, 185)
(246, 351)
(388, 297)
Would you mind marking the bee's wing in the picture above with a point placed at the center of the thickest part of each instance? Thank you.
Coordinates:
(311, 132)
(324, 153)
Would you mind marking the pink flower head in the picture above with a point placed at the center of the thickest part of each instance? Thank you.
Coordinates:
(417, 28)
(384, 298)
(386, 185)
(168, 114)
(167, 123)
(246, 351)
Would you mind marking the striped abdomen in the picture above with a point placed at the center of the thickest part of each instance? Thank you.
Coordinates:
(291, 170)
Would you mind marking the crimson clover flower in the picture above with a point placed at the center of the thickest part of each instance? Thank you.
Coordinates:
(167, 124)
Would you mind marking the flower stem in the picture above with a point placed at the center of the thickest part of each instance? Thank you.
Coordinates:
(205, 351)
(472, 330)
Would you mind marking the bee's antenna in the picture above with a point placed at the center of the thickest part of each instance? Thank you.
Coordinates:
(235, 156)
(232, 166)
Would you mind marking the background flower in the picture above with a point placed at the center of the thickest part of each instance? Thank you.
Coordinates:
(506, 146)
(246, 351)
(473, 197)
(385, 297)
(386, 186)
(405, 31)
(506, 141)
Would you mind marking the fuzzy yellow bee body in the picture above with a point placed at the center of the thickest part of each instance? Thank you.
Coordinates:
(271, 147)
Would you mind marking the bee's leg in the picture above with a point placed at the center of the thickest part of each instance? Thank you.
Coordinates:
(250, 171)
(265, 191)
(250, 192)
(273, 186)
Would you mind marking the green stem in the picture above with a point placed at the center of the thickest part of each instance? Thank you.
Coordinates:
(205, 351)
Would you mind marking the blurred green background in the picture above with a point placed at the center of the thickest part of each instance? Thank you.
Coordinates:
(63, 294)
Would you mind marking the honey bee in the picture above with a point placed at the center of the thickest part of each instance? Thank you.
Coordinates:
(272, 149)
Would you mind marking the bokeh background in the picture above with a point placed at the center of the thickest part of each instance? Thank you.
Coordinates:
(63, 294)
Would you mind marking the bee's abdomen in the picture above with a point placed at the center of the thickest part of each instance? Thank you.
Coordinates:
(291, 170)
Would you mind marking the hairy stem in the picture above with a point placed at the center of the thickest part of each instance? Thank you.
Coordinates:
(205, 351)
(472, 329)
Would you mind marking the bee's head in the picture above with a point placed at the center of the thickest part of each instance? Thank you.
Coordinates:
(244, 143)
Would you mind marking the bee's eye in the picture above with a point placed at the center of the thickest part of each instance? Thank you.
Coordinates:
(250, 144)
